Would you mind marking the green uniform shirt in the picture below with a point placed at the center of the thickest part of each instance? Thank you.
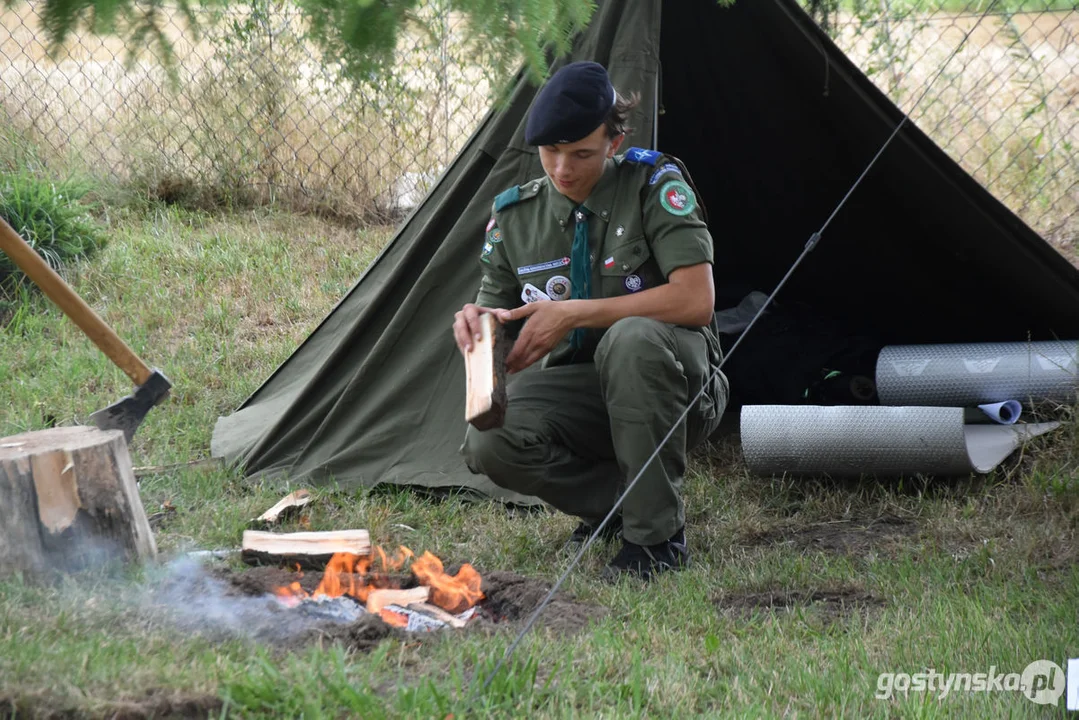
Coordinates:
(644, 222)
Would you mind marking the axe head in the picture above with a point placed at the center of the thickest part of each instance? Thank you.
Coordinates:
(127, 414)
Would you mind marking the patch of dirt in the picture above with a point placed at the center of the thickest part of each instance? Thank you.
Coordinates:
(1055, 557)
(162, 704)
(154, 704)
(513, 598)
(849, 537)
(831, 604)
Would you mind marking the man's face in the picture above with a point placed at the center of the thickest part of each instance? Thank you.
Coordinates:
(575, 168)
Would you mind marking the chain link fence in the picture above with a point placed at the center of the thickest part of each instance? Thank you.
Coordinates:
(1007, 105)
(255, 114)
(250, 113)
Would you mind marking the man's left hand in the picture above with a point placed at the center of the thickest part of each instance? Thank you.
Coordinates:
(548, 322)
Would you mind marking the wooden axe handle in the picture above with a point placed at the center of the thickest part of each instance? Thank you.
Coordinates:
(73, 306)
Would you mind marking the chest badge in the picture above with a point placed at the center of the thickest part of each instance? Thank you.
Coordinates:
(558, 287)
(633, 283)
(532, 294)
(620, 231)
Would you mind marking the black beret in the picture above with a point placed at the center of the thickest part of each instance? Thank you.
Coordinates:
(573, 103)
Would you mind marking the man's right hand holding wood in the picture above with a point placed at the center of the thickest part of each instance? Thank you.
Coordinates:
(466, 325)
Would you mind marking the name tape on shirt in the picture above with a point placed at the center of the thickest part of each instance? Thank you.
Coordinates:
(663, 170)
(543, 266)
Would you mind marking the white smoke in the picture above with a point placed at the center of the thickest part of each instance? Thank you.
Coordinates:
(186, 594)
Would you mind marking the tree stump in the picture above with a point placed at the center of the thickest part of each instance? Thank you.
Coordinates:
(68, 502)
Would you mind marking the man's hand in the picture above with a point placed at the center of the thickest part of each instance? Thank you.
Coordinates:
(466, 325)
(548, 322)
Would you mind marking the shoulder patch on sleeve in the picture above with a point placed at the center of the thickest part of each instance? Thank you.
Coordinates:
(517, 194)
(663, 170)
(507, 198)
(677, 198)
(642, 156)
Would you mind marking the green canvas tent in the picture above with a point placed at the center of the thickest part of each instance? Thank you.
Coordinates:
(775, 124)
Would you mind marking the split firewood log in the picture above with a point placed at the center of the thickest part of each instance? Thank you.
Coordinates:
(287, 505)
(378, 599)
(485, 375)
(309, 550)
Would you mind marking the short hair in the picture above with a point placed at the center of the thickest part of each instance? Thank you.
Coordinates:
(619, 113)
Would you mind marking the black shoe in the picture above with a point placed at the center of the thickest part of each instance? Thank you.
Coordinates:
(581, 533)
(647, 561)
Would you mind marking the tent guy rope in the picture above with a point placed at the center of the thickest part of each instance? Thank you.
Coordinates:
(809, 246)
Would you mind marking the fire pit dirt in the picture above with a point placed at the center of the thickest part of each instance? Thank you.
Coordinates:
(504, 598)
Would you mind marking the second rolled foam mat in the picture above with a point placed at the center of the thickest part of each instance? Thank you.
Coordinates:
(883, 441)
(976, 373)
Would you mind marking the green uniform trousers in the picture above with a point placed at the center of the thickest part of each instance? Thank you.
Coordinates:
(574, 435)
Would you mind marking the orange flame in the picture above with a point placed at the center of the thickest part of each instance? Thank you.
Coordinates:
(291, 595)
(453, 593)
(339, 578)
(352, 575)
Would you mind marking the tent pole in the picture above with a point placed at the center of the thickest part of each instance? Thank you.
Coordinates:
(655, 111)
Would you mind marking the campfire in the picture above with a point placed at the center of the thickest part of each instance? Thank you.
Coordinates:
(425, 597)
(336, 585)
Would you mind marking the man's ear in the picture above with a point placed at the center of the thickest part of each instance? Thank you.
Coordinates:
(616, 142)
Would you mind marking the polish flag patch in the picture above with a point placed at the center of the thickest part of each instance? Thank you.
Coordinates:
(490, 224)
(609, 262)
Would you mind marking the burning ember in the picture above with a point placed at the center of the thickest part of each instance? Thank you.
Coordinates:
(438, 599)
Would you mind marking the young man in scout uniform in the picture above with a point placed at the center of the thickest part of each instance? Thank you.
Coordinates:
(608, 261)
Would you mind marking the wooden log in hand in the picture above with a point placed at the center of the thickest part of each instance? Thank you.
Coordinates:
(485, 374)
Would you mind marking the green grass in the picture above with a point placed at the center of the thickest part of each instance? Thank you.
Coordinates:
(985, 573)
(49, 216)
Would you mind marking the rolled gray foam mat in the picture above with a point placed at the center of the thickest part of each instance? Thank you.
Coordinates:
(882, 441)
(972, 374)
